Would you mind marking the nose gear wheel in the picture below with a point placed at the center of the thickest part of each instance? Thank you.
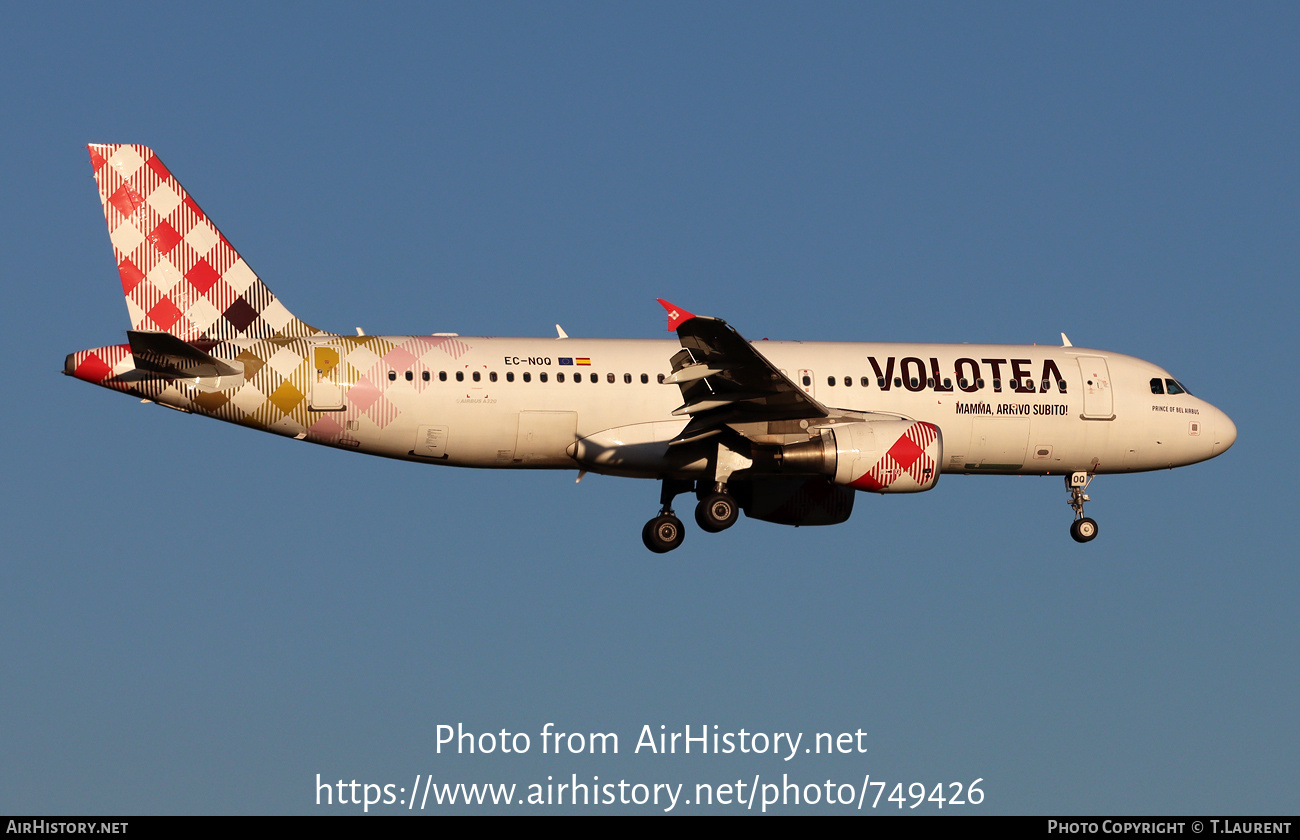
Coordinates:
(1083, 529)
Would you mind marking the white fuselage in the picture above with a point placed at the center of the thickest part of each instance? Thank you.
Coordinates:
(602, 416)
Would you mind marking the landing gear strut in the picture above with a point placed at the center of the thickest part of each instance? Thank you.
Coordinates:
(665, 532)
(1083, 529)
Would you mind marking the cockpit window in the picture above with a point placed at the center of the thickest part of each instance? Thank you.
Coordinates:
(1157, 386)
(1174, 387)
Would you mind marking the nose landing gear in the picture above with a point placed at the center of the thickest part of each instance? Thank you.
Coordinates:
(1083, 529)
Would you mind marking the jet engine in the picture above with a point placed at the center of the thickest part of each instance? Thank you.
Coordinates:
(880, 456)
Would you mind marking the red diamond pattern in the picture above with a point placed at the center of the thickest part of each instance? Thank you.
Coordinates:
(158, 169)
(202, 276)
(126, 200)
(905, 451)
(164, 313)
(164, 237)
(131, 275)
(92, 369)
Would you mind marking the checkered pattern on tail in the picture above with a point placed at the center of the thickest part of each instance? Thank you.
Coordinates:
(179, 274)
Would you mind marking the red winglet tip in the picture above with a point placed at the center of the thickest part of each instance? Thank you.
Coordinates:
(676, 315)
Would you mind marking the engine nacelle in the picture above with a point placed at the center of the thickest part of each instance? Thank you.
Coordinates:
(882, 456)
(795, 500)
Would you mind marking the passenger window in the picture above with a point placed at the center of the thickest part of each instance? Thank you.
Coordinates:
(528, 377)
(460, 376)
(410, 377)
(595, 378)
(392, 376)
(510, 376)
(541, 377)
(492, 377)
(865, 382)
(848, 382)
(880, 383)
(609, 377)
(1157, 386)
(898, 382)
(929, 383)
(979, 383)
(627, 379)
(947, 383)
(645, 379)
(807, 380)
(661, 379)
(830, 380)
(424, 375)
(559, 377)
(1060, 384)
(478, 377)
(442, 376)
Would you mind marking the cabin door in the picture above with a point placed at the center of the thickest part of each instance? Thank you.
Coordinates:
(327, 378)
(1098, 400)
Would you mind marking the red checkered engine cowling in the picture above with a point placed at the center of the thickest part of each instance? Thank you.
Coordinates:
(888, 456)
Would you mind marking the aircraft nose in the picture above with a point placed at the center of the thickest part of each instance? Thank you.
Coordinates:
(1225, 433)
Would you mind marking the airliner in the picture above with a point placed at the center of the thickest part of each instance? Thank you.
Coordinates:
(785, 431)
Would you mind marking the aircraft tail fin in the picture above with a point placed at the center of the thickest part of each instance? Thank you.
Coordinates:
(179, 274)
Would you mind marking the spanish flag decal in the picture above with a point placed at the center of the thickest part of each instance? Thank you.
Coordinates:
(582, 361)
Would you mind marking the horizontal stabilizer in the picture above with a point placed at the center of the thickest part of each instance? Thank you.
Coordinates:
(162, 352)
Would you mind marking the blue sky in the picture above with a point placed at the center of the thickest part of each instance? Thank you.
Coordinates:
(198, 618)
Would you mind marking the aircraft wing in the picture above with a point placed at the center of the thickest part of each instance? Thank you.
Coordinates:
(724, 379)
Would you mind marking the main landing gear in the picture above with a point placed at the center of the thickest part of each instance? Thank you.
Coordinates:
(1083, 529)
(717, 511)
(665, 532)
